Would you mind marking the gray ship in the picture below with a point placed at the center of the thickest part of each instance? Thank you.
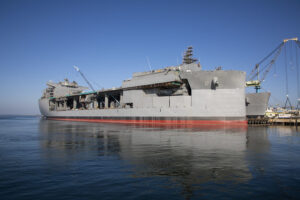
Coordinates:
(179, 95)
(257, 104)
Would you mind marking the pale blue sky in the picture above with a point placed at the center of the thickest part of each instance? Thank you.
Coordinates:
(109, 40)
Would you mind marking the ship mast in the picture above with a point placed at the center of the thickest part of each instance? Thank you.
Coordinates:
(188, 56)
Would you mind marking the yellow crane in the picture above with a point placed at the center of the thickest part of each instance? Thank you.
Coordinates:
(254, 79)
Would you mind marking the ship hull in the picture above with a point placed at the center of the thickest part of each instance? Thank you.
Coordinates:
(188, 116)
(198, 97)
(188, 121)
(257, 104)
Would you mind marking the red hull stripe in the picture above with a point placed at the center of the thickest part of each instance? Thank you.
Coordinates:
(171, 122)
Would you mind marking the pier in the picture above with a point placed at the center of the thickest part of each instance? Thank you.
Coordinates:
(275, 121)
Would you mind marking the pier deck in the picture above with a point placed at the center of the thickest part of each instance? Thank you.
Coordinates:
(267, 121)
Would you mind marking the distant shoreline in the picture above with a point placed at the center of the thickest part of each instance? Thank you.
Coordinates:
(21, 115)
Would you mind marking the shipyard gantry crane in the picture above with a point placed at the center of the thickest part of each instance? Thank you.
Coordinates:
(255, 78)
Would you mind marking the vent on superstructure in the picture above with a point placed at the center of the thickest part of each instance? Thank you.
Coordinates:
(188, 56)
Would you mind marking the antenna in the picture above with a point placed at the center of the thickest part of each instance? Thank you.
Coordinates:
(78, 70)
(148, 62)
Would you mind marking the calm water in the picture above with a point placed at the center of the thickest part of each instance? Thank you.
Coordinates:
(42, 159)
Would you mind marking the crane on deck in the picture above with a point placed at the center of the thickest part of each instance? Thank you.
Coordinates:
(90, 85)
(83, 76)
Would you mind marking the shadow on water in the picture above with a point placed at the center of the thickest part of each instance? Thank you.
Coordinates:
(191, 158)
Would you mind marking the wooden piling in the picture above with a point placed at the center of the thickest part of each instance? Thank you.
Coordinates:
(275, 121)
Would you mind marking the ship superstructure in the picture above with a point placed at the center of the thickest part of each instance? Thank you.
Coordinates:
(183, 94)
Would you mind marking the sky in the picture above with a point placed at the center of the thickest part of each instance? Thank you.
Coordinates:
(109, 40)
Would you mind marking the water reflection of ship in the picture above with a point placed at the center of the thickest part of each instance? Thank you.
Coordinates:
(66, 141)
(190, 157)
(196, 157)
(257, 139)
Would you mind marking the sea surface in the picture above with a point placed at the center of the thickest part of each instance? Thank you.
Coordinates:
(46, 159)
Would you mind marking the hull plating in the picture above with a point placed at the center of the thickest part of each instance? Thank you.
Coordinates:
(166, 121)
(257, 104)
